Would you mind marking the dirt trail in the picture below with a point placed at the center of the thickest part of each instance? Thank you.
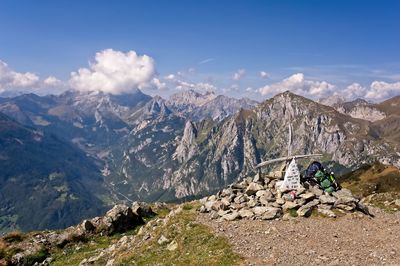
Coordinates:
(348, 240)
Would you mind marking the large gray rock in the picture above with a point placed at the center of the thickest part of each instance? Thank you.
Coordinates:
(142, 209)
(87, 226)
(118, 220)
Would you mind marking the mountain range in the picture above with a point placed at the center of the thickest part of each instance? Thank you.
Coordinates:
(82, 151)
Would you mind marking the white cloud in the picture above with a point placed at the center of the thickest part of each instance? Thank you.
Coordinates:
(380, 90)
(10, 79)
(205, 61)
(264, 75)
(115, 72)
(200, 86)
(299, 85)
(239, 74)
(158, 84)
(170, 77)
(353, 91)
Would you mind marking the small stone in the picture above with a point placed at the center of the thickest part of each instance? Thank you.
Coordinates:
(172, 246)
(162, 240)
(253, 188)
(346, 207)
(316, 190)
(258, 179)
(397, 202)
(222, 212)
(271, 213)
(307, 196)
(202, 209)
(231, 216)
(290, 205)
(246, 213)
(214, 215)
(325, 206)
(300, 191)
(326, 212)
(304, 211)
(345, 200)
(344, 192)
(252, 203)
(208, 205)
(212, 198)
(259, 210)
(326, 199)
(280, 201)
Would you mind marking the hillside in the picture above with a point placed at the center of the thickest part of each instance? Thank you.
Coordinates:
(44, 182)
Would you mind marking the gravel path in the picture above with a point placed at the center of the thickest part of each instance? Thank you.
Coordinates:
(348, 240)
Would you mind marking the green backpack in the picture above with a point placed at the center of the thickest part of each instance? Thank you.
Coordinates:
(327, 181)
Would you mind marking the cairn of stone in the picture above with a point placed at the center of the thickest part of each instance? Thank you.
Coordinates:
(258, 198)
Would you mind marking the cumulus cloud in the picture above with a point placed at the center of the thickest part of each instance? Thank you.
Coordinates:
(264, 75)
(353, 91)
(115, 72)
(299, 85)
(10, 79)
(239, 74)
(380, 90)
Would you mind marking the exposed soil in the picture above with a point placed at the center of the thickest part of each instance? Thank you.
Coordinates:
(353, 239)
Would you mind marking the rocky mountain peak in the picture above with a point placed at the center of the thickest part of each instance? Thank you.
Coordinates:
(187, 146)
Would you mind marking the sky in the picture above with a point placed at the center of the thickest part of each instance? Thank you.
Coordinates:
(238, 48)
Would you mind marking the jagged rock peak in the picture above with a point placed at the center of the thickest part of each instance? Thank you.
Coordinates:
(187, 147)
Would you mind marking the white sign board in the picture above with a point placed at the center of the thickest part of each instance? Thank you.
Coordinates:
(291, 180)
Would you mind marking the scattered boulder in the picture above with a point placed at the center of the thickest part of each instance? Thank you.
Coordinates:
(142, 209)
(119, 219)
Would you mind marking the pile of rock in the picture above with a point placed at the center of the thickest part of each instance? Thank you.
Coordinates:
(258, 198)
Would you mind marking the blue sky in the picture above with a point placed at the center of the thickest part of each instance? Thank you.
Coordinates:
(338, 42)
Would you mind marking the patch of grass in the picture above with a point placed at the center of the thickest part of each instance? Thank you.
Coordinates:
(7, 252)
(293, 212)
(38, 257)
(73, 254)
(14, 237)
(197, 245)
(385, 201)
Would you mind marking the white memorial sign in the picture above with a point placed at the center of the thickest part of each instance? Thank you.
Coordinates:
(291, 180)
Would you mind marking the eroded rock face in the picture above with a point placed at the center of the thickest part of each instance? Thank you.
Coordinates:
(258, 198)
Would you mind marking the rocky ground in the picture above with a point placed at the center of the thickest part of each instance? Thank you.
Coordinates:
(352, 239)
